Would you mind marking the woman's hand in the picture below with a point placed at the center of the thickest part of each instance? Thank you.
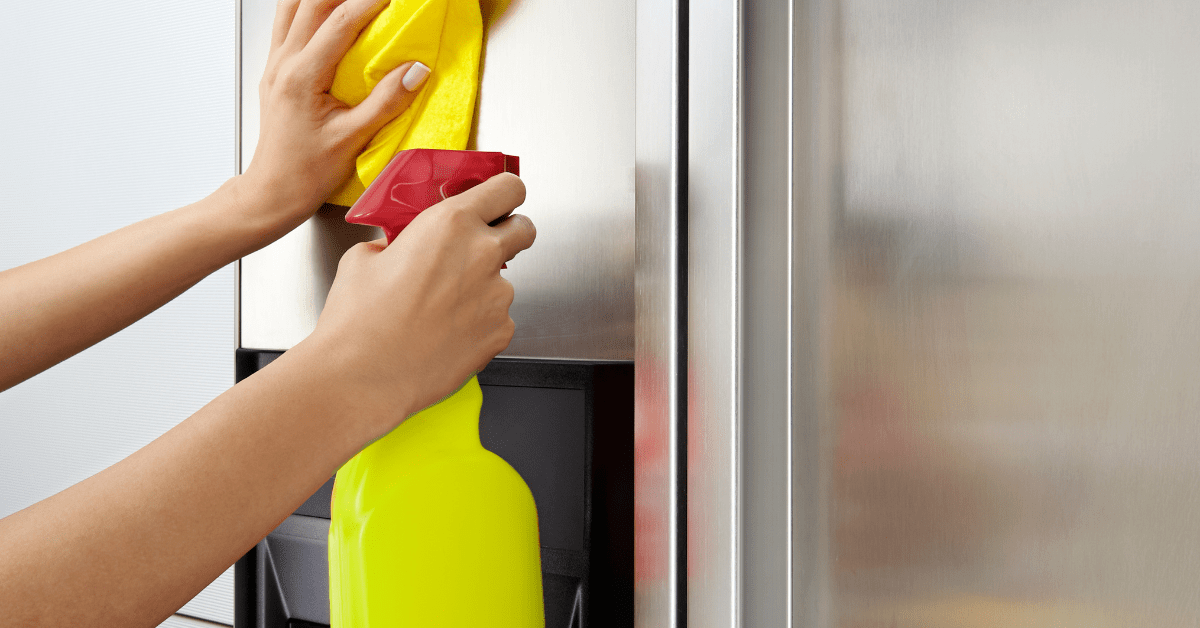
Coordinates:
(407, 324)
(308, 140)
(403, 327)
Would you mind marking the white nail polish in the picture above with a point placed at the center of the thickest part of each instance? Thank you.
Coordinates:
(415, 76)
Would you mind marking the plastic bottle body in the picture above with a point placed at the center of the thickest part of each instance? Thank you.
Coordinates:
(431, 529)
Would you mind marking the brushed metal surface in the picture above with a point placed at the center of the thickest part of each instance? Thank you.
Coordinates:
(714, 353)
(1015, 339)
(659, 387)
(556, 93)
(763, 105)
(816, 195)
(281, 288)
(558, 90)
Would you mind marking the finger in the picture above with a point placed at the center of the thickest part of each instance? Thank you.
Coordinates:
(310, 15)
(334, 36)
(285, 12)
(361, 249)
(517, 233)
(508, 293)
(495, 198)
(388, 99)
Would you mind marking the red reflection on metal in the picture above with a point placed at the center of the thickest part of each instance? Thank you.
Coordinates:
(652, 470)
(652, 518)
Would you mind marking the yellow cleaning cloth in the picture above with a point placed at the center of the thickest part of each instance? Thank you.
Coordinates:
(445, 35)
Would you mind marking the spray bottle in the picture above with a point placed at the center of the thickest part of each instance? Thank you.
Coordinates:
(428, 527)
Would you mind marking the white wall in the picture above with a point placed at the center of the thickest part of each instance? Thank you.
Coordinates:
(113, 112)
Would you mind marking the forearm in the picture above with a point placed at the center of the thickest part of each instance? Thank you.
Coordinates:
(53, 308)
(136, 541)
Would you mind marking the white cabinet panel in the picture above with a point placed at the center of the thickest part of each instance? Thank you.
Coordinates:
(180, 621)
(214, 602)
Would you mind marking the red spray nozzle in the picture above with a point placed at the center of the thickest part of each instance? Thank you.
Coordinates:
(419, 178)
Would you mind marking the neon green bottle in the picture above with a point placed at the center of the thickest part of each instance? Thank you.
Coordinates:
(431, 529)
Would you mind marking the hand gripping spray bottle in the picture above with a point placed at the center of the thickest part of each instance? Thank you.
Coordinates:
(428, 527)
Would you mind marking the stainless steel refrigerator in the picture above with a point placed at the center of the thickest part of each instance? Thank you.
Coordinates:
(909, 291)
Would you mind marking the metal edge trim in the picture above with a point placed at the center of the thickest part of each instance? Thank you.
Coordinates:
(237, 160)
(790, 299)
(737, 317)
(679, 357)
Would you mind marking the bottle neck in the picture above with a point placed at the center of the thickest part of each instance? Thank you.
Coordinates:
(452, 423)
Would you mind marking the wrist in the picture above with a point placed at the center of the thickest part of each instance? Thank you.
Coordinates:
(260, 207)
(372, 407)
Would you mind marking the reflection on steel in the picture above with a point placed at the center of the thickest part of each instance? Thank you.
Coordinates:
(658, 387)
(558, 90)
(1016, 315)
(714, 269)
(569, 115)
(282, 288)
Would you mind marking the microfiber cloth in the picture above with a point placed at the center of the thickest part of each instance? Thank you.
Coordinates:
(445, 35)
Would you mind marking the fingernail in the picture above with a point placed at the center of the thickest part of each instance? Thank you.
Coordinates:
(415, 75)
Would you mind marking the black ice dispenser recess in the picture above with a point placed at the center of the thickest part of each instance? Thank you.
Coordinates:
(567, 428)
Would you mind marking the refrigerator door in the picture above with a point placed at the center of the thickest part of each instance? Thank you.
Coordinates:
(558, 94)
(951, 377)
(1015, 315)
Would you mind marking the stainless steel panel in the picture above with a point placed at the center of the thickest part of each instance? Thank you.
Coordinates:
(281, 288)
(762, 184)
(1015, 336)
(816, 194)
(659, 385)
(714, 272)
(558, 90)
